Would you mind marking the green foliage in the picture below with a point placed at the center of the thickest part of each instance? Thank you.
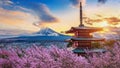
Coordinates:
(96, 45)
(69, 44)
(109, 43)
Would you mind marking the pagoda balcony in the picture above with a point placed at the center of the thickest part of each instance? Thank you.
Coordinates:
(83, 51)
(87, 39)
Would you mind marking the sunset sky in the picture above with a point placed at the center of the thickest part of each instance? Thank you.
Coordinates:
(60, 15)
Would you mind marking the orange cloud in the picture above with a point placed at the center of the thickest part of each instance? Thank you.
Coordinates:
(113, 20)
(17, 19)
(110, 20)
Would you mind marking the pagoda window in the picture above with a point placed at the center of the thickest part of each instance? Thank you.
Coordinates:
(75, 43)
(76, 34)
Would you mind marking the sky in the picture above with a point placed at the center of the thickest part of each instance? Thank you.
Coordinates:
(59, 15)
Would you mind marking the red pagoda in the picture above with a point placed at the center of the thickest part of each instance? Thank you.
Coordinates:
(82, 38)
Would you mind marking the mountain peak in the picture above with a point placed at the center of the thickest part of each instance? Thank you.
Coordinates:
(47, 32)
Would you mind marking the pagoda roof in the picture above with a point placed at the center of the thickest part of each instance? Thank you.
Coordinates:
(90, 29)
(87, 39)
(83, 50)
(85, 27)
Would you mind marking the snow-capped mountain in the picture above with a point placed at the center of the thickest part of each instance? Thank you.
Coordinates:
(47, 32)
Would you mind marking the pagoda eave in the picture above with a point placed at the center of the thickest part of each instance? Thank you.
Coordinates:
(82, 50)
(83, 29)
(87, 39)
(70, 31)
(86, 28)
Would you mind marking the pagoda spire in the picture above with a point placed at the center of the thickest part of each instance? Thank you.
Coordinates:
(81, 16)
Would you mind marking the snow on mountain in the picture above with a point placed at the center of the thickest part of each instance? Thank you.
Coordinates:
(47, 32)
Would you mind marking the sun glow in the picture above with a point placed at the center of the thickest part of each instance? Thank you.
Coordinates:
(101, 24)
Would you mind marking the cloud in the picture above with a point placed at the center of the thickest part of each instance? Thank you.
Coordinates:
(113, 20)
(102, 1)
(91, 21)
(76, 3)
(39, 11)
(43, 13)
(95, 20)
(46, 15)
(100, 16)
(5, 2)
(110, 20)
(16, 20)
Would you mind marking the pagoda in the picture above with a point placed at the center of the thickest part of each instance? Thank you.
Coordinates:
(83, 38)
